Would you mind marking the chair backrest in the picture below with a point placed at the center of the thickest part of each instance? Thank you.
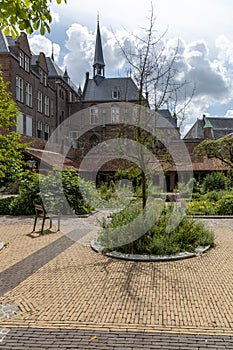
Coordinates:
(39, 208)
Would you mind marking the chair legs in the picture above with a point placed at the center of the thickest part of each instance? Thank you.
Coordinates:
(58, 222)
(40, 212)
(34, 227)
(42, 227)
(43, 223)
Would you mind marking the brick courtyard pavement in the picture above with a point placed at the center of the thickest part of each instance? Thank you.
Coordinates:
(56, 293)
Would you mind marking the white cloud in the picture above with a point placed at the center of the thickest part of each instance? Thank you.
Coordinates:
(225, 49)
(39, 43)
(204, 28)
(81, 46)
(229, 113)
(55, 16)
(211, 76)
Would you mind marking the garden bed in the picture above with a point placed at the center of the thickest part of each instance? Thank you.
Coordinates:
(144, 258)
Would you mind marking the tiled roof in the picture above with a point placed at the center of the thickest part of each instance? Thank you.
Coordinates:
(54, 70)
(103, 92)
(221, 126)
(204, 164)
(3, 43)
(51, 158)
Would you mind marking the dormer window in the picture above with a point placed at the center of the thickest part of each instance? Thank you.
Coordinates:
(115, 94)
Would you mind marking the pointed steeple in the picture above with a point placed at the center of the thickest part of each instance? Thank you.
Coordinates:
(98, 64)
(52, 55)
(66, 76)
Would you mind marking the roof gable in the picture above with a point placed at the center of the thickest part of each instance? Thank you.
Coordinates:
(40, 61)
(22, 43)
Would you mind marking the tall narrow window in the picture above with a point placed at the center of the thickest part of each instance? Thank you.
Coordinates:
(45, 79)
(19, 89)
(39, 129)
(46, 132)
(28, 125)
(20, 123)
(27, 63)
(115, 115)
(94, 115)
(46, 106)
(21, 59)
(39, 102)
(41, 76)
(51, 108)
(28, 95)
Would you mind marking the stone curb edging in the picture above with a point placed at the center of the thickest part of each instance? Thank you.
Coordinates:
(138, 257)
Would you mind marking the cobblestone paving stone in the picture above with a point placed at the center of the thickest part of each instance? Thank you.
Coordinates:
(22, 338)
(81, 291)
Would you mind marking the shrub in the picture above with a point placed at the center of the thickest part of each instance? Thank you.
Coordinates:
(185, 236)
(53, 194)
(5, 205)
(215, 181)
(74, 188)
(214, 196)
(202, 207)
(225, 205)
(23, 204)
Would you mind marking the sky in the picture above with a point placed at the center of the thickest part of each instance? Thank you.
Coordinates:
(203, 27)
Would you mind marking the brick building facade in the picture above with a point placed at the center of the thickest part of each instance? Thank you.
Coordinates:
(40, 89)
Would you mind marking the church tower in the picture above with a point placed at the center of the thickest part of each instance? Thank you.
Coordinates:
(98, 65)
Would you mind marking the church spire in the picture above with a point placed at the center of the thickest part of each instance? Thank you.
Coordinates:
(98, 64)
(52, 55)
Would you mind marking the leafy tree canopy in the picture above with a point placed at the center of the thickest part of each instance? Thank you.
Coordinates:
(221, 149)
(11, 150)
(28, 15)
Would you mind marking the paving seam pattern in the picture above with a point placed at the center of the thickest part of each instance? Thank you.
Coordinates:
(20, 271)
(23, 338)
(90, 279)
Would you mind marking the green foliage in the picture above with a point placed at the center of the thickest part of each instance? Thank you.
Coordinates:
(5, 204)
(214, 196)
(221, 149)
(55, 190)
(29, 193)
(107, 191)
(79, 193)
(202, 207)
(225, 205)
(186, 188)
(11, 150)
(215, 181)
(186, 236)
(19, 15)
(133, 174)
